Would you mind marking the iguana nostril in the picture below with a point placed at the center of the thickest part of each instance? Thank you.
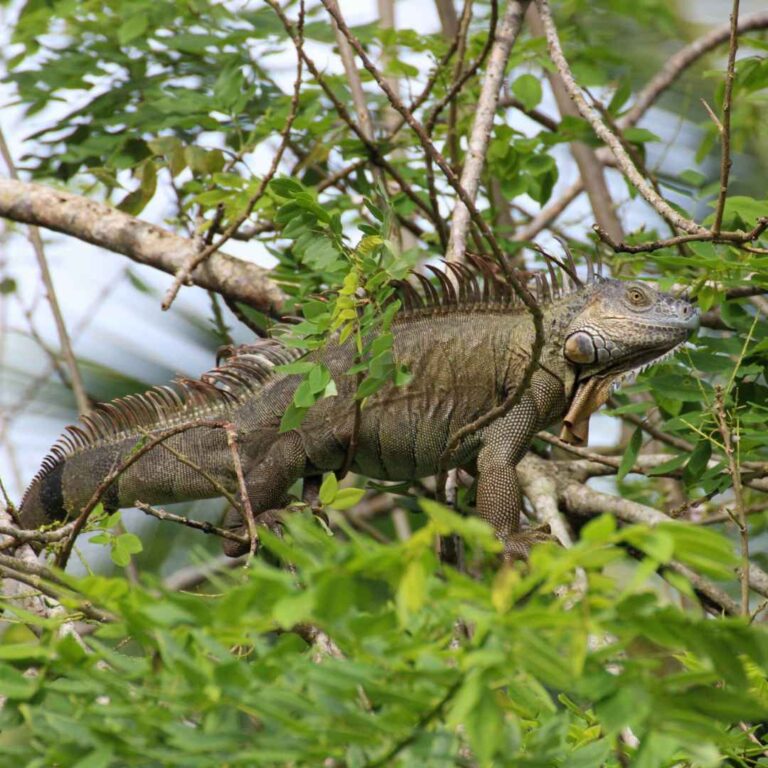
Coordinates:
(689, 314)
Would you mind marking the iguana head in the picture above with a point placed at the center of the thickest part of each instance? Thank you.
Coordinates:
(618, 328)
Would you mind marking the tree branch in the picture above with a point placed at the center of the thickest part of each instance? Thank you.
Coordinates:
(506, 34)
(589, 165)
(623, 161)
(145, 243)
(684, 58)
(725, 124)
(198, 525)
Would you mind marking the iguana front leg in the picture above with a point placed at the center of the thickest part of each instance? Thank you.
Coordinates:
(499, 499)
(267, 484)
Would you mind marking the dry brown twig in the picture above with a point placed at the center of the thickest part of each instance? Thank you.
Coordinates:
(250, 520)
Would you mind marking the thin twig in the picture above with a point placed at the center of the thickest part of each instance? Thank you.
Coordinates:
(199, 525)
(191, 576)
(623, 161)
(42, 584)
(535, 114)
(734, 471)
(76, 380)
(452, 138)
(250, 520)
(196, 259)
(423, 722)
(725, 133)
(684, 58)
(732, 238)
(544, 218)
(374, 152)
(215, 484)
(468, 73)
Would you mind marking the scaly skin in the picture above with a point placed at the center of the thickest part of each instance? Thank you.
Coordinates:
(465, 358)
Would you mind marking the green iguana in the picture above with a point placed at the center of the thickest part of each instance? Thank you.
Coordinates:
(466, 343)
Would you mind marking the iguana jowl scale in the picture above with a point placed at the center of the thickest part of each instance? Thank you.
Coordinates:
(466, 345)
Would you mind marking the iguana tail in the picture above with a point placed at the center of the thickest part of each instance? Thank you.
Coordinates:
(194, 463)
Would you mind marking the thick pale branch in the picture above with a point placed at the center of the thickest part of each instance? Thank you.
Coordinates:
(583, 500)
(579, 499)
(506, 34)
(145, 243)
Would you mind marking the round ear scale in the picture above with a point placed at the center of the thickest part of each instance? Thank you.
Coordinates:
(579, 348)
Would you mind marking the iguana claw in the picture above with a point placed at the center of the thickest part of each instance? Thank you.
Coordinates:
(269, 519)
(518, 546)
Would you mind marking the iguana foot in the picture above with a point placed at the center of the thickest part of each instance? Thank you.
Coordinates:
(518, 545)
(234, 522)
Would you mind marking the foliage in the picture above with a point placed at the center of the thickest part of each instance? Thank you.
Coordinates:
(551, 675)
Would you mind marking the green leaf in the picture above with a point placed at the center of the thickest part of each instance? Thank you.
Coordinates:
(304, 396)
(285, 187)
(697, 463)
(329, 488)
(412, 589)
(319, 377)
(347, 497)
(132, 27)
(24, 652)
(299, 366)
(630, 454)
(669, 466)
(527, 88)
(292, 418)
(599, 529)
(98, 758)
(16, 685)
(123, 546)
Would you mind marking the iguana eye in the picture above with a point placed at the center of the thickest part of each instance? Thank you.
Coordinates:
(636, 296)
